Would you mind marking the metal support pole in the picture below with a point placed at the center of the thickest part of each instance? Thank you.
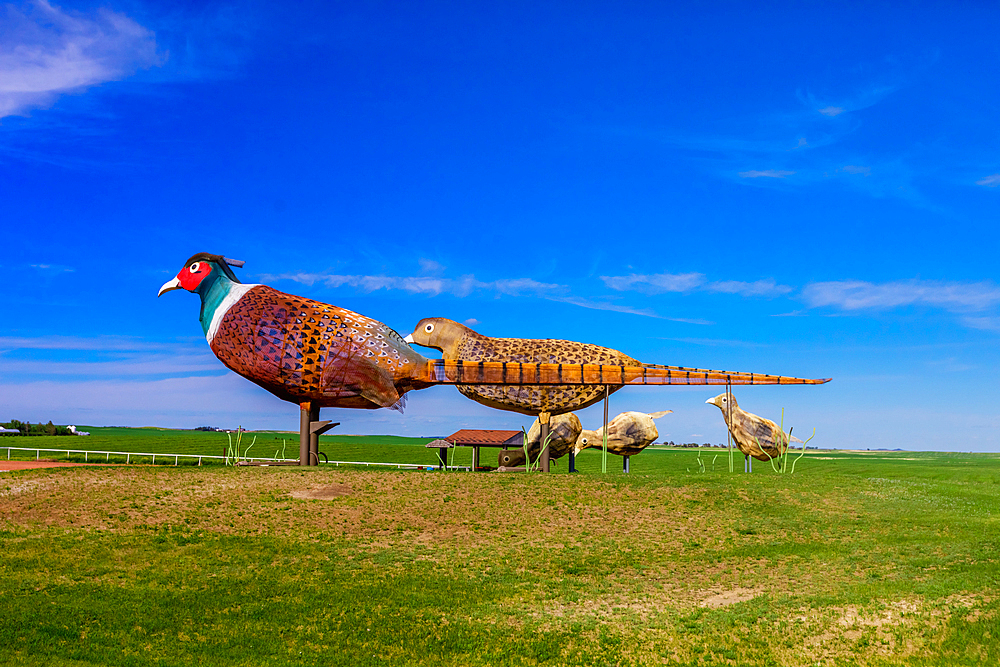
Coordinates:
(572, 460)
(604, 452)
(543, 433)
(625, 463)
(475, 459)
(729, 420)
(313, 436)
(304, 419)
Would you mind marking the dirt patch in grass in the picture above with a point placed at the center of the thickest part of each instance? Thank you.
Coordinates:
(8, 466)
(726, 598)
(323, 492)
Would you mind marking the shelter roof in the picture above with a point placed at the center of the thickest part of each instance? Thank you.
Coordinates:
(469, 436)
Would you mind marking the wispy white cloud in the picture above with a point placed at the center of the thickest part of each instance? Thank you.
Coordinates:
(430, 266)
(860, 295)
(855, 169)
(657, 283)
(860, 99)
(432, 286)
(131, 367)
(102, 357)
(661, 283)
(766, 173)
(47, 51)
(766, 287)
(52, 268)
(99, 343)
(983, 323)
(991, 181)
(619, 308)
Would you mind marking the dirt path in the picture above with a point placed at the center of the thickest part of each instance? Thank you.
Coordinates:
(7, 466)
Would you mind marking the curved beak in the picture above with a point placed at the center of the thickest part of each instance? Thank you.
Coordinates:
(408, 338)
(711, 400)
(171, 284)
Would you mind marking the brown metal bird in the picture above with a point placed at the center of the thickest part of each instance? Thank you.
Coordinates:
(754, 435)
(574, 382)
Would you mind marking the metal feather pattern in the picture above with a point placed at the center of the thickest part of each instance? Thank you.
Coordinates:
(304, 350)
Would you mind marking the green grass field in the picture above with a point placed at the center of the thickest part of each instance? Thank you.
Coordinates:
(858, 558)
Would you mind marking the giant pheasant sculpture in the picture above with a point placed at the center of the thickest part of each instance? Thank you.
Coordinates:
(318, 355)
(296, 348)
(569, 387)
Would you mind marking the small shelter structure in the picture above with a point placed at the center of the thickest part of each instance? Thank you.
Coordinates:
(442, 447)
(477, 438)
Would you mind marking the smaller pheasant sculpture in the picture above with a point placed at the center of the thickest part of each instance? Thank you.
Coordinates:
(754, 435)
(569, 387)
(628, 434)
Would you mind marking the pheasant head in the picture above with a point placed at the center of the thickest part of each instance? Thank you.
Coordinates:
(441, 334)
(210, 277)
(724, 402)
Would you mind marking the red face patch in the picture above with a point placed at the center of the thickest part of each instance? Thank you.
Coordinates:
(191, 276)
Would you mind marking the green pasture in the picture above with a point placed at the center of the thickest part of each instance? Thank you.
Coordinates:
(858, 558)
(215, 443)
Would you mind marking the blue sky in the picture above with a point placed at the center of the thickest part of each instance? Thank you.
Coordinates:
(810, 190)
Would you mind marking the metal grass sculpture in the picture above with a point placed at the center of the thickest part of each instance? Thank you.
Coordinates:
(530, 465)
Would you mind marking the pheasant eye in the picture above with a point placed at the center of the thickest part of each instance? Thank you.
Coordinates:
(429, 328)
(194, 267)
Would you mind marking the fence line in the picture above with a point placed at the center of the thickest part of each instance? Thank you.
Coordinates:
(177, 457)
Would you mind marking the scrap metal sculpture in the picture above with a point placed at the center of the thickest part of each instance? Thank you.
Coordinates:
(626, 435)
(318, 355)
(459, 343)
(754, 435)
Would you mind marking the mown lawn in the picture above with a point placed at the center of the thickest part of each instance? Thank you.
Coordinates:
(858, 558)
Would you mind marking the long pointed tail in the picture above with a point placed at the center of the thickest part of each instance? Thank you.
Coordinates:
(444, 371)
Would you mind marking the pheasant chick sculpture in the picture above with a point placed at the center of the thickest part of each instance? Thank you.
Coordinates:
(754, 436)
(628, 434)
(564, 430)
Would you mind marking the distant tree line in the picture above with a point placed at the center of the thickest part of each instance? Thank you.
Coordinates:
(27, 428)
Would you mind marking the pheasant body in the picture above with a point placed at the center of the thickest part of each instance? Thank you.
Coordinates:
(300, 349)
